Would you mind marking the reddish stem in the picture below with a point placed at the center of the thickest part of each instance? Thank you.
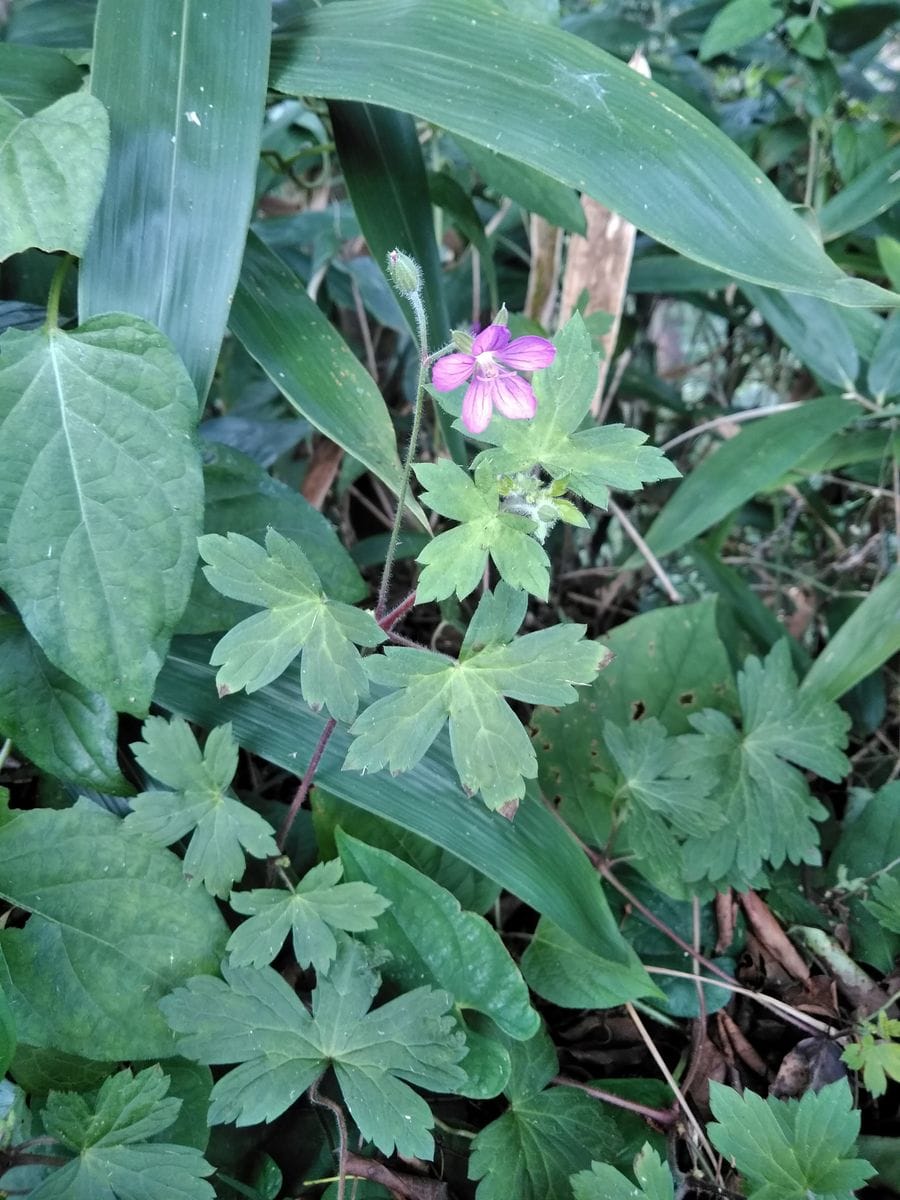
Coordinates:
(664, 1117)
(306, 782)
(389, 620)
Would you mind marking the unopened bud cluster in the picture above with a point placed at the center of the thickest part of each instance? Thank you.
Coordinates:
(524, 495)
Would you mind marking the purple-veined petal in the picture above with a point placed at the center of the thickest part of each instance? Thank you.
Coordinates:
(528, 353)
(477, 406)
(451, 370)
(495, 337)
(514, 397)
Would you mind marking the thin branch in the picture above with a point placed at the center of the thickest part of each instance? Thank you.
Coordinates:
(702, 1142)
(800, 1019)
(649, 557)
(660, 1116)
(749, 414)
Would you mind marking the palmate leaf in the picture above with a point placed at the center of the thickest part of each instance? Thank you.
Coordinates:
(593, 461)
(224, 829)
(765, 808)
(297, 615)
(604, 1182)
(491, 751)
(789, 1149)
(884, 902)
(253, 1018)
(110, 1136)
(876, 1054)
(455, 561)
(318, 905)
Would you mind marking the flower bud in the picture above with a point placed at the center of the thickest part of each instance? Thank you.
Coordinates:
(462, 341)
(502, 317)
(405, 273)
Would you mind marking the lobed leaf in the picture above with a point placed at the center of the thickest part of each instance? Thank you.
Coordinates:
(591, 461)
(455, 561)
(298, 615)
(254, 1018)
(788, 1149)
(223, 828)
(491, 750)
(309, 913)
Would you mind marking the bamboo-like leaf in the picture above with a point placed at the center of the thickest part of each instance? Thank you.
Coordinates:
(184, 84)
(561, 105)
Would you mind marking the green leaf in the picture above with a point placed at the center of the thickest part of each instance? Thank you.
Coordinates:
(455, 561)
(531, 1151)
(222, 829)
(430, 939)
(873, 191)
(533, 190)
(765, 808)
(308, 913)
(534, 857)
(114, 927)
(655, 773)
(33, 77)
(473, 890)
(591, 461)
(64, 729)
(243, 498)
(7, 1033)
(739, 22)
(876, 1054)
(491, 750)
(185, 87)
(868, 638)
(884, 903)
(604, 1182)
(813, 329)
(746, 464)
(114, 1156)
(789, 1149)
(884, 369)
(52, 167)
(668, 664)
(381, 162)
(254, 1018)
(101, 498)
(574, 112)
(297, 614)
(308, 360)
(566, 973)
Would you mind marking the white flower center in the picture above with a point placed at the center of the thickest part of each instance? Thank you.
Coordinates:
(486, 365)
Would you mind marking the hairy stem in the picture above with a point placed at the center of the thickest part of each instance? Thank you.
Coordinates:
(56, 286)
(335, 1109)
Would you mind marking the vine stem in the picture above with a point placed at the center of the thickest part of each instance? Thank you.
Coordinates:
(661, 1116)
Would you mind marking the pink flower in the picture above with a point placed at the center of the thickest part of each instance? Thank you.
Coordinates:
(492, 367)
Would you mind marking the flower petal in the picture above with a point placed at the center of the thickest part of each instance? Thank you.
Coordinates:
(495, 337)
(514, 397)
(452, 370)
(477, 406)
(528, 353)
